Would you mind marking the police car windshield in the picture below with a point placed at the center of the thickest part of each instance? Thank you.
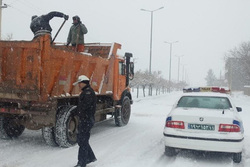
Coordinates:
(204, 102)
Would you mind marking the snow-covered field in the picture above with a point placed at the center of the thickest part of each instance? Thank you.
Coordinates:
(139, 144)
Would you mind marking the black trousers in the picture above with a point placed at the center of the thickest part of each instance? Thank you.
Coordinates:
(85, 153)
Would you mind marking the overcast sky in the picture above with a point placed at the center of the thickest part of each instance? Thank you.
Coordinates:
(205, 29)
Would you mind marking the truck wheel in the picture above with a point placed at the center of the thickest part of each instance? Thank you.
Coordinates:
(237, 157)
(66, 127)
(122, 114)
(10, 127)
(48, 134)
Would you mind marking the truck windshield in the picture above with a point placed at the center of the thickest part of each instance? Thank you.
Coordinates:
(204, 102)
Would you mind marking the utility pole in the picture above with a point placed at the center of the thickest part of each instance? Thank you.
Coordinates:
(151, 33)
(179, 57)
(170, 61)
(151, 41)
(183, 72)
(1, 7)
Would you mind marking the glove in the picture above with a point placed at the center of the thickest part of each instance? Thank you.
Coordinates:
(66, 17)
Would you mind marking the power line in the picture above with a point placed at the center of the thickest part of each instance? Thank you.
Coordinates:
(32, 6)
(21, 11)
(12, 2)
(26, 4)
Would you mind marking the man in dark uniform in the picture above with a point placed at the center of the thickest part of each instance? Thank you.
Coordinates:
(40, 25)
(86, 113)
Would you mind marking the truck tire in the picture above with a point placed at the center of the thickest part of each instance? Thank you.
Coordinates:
(48, 134)
(122, 114)
(66, 127)
(10, 127)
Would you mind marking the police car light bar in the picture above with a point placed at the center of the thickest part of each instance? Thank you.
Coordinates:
(207, 89)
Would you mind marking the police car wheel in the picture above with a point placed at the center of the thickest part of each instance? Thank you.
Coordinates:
(170, 151)
(237, 157)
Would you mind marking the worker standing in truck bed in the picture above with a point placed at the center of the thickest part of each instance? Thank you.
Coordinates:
(76, 34)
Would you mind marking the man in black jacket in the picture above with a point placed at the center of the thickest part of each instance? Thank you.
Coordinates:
(40, 25)
(86, 113)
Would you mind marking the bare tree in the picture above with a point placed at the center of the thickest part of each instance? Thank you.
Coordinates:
(237, 64)
(143, 79)
(210, 78)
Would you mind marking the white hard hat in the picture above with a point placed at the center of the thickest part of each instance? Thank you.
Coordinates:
(80, 79)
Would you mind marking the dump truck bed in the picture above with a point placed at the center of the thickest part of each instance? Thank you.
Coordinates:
(37, 71)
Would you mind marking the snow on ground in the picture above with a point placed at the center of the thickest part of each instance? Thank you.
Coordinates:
(139, 144)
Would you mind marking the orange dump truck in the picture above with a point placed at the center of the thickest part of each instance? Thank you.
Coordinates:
(36, 90)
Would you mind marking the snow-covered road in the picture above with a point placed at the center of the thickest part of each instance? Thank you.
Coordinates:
(139, 144)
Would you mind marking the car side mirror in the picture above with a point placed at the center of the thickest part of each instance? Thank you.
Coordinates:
(239, 109)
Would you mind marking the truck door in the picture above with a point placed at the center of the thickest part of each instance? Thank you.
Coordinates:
(121, 77)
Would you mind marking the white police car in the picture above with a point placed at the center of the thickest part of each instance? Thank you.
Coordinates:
(204, 119)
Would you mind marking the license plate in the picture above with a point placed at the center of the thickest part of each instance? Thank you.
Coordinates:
(201, 127)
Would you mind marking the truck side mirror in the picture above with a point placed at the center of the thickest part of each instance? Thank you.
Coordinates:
(131, 70)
